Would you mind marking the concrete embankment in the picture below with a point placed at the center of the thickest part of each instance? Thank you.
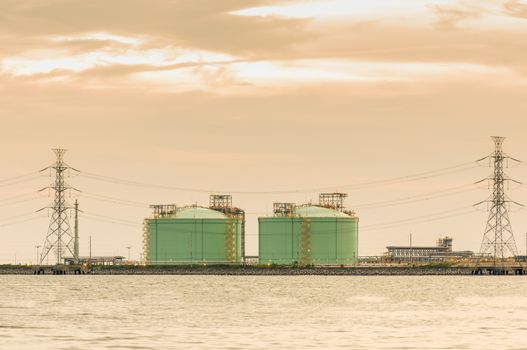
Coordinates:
(256, 271)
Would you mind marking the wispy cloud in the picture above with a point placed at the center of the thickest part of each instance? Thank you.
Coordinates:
(450, 16)
(265, 76)
(516, 8)
(338, 9)
(98, 36)
(42, 61)
(265, 44)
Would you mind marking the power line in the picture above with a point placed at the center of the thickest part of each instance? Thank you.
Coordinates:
(14, 178)
(395, 180)
(111, 221)
(16, 199)
(411, 178)
(402, 201)
(413, 221)
(19, 221)
(7, 199)
(417, 198)
(19, 201)
(19, 181)
(17, 216)
(110, 218)
(371, 205)
(420, 221)
(114, 200)
(409, 220)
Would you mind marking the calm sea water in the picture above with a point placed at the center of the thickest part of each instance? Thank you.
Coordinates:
(209, 312)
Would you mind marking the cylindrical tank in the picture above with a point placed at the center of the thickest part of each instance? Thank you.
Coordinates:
(193, 235)
(311, 235)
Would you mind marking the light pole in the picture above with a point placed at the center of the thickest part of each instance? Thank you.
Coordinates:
(38, 246)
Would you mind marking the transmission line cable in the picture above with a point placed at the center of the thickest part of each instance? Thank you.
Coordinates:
(110, 221)
(18, 202)
(110, 218)
(366, 206)
(464, 213)
(417, 198)
(14, 178)
(19, 181)
(451, 211)
(19, 221)
(395, 180)
(113, 200)
(7, 199)
(17, 216)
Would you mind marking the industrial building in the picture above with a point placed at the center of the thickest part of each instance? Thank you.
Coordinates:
(194, 234)
(442, 251)
(323, 234)
(95, 260)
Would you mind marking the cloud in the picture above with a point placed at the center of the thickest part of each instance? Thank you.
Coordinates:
(278, 77)
(223, 46)
(127, 53)
(99, 36)
(450, 16)
(199, 24)
(334, 9)
(516, 8)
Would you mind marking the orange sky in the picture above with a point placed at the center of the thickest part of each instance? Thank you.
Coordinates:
(260, 95)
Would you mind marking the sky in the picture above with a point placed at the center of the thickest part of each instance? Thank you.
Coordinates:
(237, 96)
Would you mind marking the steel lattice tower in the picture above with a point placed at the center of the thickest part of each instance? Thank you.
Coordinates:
(498, 239)
(60, 236)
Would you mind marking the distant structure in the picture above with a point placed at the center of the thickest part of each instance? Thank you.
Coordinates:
(440, 252)
(95, 260)
(60, 237)
(223, 203)
(76, 234)
(195, 234)
(498, 239)
(334, 200)
(282, 209)
(309, 234)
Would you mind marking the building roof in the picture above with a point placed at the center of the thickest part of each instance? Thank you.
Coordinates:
(313, 211)
(199, 213)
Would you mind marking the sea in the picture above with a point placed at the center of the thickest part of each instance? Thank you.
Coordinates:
(263, 312)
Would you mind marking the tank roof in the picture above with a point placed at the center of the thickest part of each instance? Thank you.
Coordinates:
(199, 213)
(314, 211)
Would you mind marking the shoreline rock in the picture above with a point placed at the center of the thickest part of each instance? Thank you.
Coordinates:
(256, 271)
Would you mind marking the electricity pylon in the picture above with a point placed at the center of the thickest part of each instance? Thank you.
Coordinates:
(59, 237)
(498, 240)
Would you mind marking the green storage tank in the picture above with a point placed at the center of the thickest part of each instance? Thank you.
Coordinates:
(193, 235)
(310, 235)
